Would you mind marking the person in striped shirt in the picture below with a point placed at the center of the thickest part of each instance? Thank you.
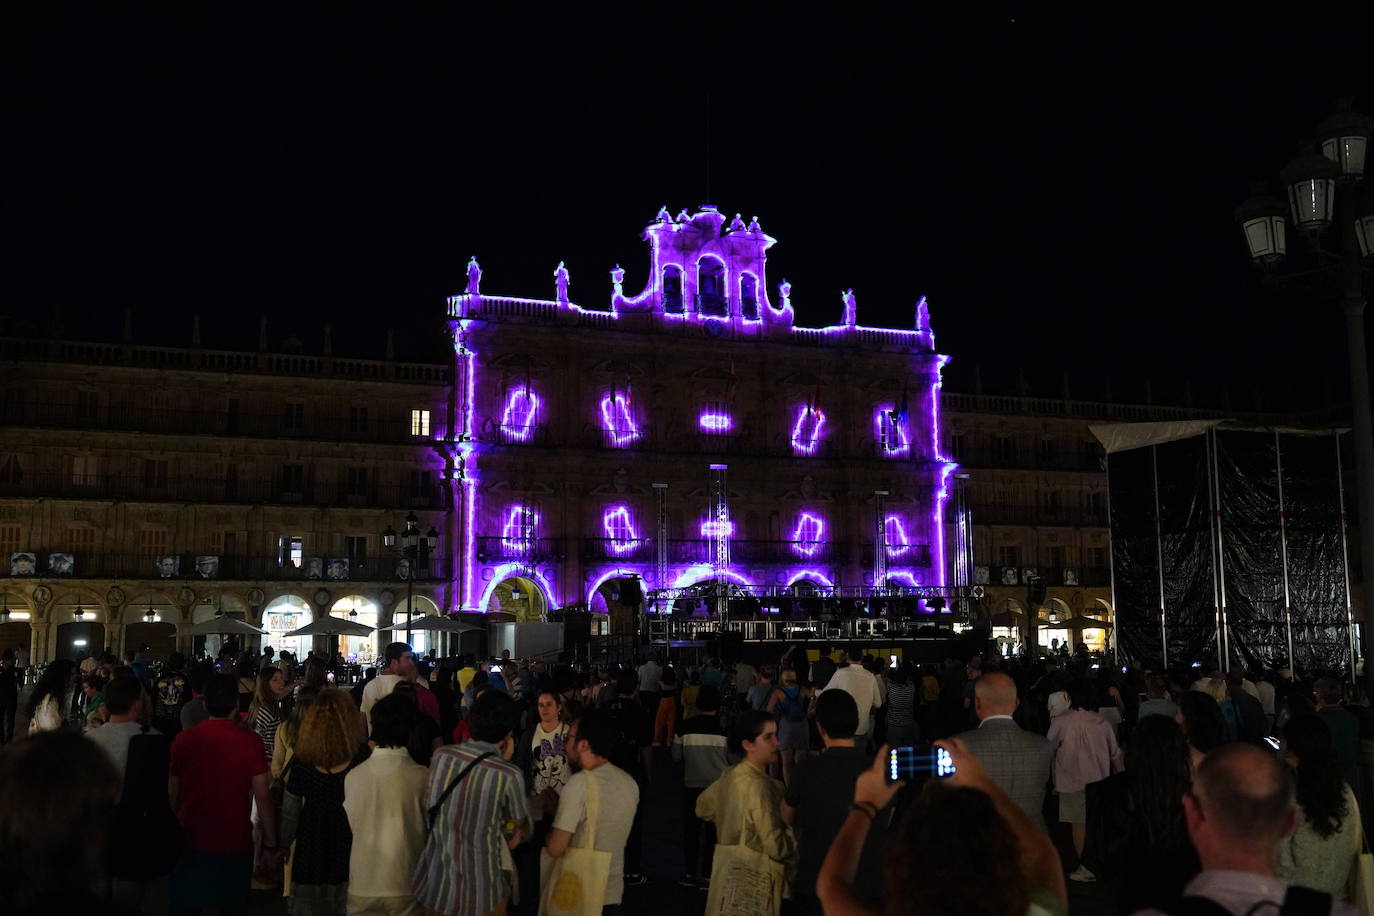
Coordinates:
(466, 868)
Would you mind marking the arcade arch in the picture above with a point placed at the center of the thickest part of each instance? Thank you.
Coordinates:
(282, 615)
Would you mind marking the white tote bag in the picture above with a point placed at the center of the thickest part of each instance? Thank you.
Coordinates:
(575, 884)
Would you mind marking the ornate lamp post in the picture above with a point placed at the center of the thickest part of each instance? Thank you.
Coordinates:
(415, 547)
(1329, 202)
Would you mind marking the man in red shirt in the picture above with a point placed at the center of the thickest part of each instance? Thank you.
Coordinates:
(218, 769)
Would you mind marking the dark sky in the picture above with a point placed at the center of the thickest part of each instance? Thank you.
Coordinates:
(1061, 190)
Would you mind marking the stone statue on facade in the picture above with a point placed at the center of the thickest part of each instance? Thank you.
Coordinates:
(754, 225)
(560, 282)
(785, 293)
(851, 309)
(474, 277)
(737, 224)
(663, 215)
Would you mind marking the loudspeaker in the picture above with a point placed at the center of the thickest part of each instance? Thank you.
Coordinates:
(631, 593)
(727, 646)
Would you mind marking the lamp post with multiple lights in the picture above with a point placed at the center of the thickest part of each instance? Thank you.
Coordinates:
(415, 547)
(1332, 208)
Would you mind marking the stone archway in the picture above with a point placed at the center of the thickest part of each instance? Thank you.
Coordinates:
(611, 605)
(157, 631)
(520, 597)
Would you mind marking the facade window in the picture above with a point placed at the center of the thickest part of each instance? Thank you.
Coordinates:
(9, 540)
(357, 419)
(749, 296)
(1051, 502)
(155, 474)
(85, 470)
(1049, 451)
(231, 415)
(956, 446)
(1008, 555)
(1097, 504)
(355, 548)
(229, 474)
(11, 470)
(290, 551)
(295, 417)
(355, 482)
(419, 422)
(1004, 449)
(293, 478)
(1097, 557)
(672, 289)
(13, 402)
(1059, 557)
(87, 404)
(80, 540)
(152, 542)
(223, 543)
(421, 484)
(711, 298)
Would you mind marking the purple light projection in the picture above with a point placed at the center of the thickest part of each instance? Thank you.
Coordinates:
(712, 422)
(518, 532)
(618, 420)
(895, 541)
(806, 538)
(619, 529)
(679, 247)
(714, 528)
(806, 432)
(891, 434)
(521, 413)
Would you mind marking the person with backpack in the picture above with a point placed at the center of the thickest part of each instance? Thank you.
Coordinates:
(147, 838)
(788, 703)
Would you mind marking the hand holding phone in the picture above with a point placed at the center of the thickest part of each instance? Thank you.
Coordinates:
(906, 763)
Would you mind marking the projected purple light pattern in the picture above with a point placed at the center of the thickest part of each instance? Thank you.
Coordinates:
(895, 541)
(806, 537)
(714, 422)
(806, 432)
(618, 420)
(520, 415)
(620, 530)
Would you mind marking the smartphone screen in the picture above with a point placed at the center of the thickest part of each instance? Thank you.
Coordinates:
(1271, 741)
(330, 677)
(923, 760)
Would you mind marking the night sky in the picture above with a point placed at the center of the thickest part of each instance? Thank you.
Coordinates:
(1061, 190)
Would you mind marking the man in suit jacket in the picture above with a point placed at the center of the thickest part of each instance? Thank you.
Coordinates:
(1018, 761)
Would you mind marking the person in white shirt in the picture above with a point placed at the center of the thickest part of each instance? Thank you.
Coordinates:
(860, 684)
(600, 788)
(650, 678)
(124, 702)
(400, 666)
(384, 801)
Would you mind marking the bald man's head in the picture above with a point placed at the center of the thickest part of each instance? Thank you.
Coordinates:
(1245, 795)
(994, 695)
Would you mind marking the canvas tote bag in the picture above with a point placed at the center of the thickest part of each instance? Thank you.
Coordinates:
(744, 881)
(575, 884)
(1360, 884)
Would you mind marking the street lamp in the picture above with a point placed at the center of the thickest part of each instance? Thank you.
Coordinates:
(1326, 191)
(415, 547)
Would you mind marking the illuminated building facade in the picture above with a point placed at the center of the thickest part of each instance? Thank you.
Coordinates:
(689, 432)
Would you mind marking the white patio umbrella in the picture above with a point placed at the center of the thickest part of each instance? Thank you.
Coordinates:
(433, 624)
(220, 624)
(331, 626)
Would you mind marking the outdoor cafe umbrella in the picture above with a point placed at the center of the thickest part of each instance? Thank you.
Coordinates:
(433, 624)
(219, 625)
(331, 626)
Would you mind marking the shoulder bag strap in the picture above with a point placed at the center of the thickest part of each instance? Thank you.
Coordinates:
(593, 808)
(448, 790)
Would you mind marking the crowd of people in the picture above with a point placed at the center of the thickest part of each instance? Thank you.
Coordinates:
(501, 787)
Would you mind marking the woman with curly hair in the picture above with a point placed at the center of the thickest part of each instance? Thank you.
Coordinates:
(313, 813)
(962, 847)
(1319, 851)
(1159, 857)
(1202, 723)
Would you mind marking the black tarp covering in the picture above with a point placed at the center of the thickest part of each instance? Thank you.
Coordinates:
(1208, 506)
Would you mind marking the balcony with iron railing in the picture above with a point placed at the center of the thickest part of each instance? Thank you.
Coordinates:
(918, 556)
(219, 421)
(1060, 460)
(240, 567)
(252, 491)
(519, 549)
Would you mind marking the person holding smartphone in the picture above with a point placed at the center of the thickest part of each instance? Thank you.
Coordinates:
(961, 842)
